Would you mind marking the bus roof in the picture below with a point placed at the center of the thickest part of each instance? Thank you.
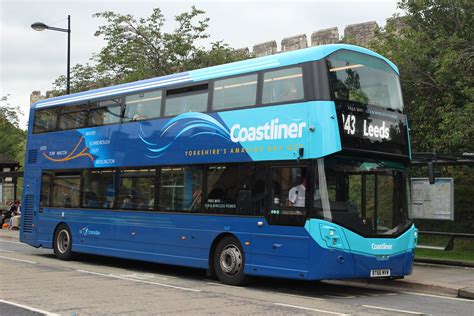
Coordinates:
(235, 68)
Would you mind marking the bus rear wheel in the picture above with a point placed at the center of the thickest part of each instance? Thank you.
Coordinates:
(62, 243)
(229, 261)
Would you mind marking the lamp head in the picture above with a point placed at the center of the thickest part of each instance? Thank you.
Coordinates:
(39, 26)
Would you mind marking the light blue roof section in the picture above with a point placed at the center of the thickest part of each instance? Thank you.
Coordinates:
(240, 67)
(279, 60)
(117, 90)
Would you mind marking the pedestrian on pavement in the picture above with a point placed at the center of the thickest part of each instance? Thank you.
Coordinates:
(14, 223)
(9, 213)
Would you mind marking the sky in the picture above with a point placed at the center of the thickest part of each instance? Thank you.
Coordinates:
(32, 60)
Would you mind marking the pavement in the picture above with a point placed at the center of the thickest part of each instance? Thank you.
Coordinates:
(432, 279)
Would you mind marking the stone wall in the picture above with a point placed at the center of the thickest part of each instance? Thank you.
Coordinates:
(36, 96)
(360, 34)
(326, 36)
(264, 49)
(294, 43)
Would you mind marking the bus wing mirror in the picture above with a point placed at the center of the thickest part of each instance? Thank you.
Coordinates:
(431, 173)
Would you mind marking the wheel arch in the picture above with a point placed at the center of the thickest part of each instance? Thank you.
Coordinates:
(57, 227)
(214, 244)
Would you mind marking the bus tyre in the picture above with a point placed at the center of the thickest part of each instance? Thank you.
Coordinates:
(63, 242)
(229, 261)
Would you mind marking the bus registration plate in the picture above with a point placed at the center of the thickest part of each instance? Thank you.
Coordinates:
(379, 273)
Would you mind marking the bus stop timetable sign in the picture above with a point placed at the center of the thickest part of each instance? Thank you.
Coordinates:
(432, 201)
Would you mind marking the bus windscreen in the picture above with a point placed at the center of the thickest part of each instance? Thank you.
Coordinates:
(364, 79)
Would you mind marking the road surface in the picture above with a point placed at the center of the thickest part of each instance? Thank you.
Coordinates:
(34, 282)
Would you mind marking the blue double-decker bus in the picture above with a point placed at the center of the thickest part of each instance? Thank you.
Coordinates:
(291, 166)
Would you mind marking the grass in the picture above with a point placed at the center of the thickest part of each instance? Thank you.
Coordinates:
(455, 255)
(463, 249)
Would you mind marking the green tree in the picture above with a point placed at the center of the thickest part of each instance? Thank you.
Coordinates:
(12, 137)
(139, 49)
(434, 50)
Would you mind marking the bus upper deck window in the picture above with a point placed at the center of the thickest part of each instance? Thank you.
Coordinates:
(235, 92)
(45, 121)
(142, 106)
(106, 112)
(72, 117)
(364, 79)
(283, 85)
(188, 103)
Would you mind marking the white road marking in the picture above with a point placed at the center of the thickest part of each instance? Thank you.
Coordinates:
(29, 308)
(141, 281)
(9, 258)
(341, 296)
(301, 296)
(141, 276)
(1, 250)
(278, 293)
(220, 284)
(310, 309)
(394, 310)
(440, 296)
(12, 242)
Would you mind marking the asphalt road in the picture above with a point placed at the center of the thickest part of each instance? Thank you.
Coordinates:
(34, 282)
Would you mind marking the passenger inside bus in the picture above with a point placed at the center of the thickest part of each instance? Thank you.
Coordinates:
(131, 201)
(140, 114)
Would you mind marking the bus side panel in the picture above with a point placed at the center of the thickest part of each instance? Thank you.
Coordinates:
(274, 254)
(330, 264)
(168, 238)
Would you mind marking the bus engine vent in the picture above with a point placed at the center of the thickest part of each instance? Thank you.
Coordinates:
(28, 213)
(32, 156)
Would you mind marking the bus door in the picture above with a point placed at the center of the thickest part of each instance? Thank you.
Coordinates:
(284, 240)
(289, 192)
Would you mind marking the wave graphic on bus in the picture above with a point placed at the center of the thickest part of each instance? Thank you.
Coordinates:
(200, 124)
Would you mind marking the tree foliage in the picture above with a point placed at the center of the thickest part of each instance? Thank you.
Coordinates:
(435, 54)
(140, 48)
(12, 137)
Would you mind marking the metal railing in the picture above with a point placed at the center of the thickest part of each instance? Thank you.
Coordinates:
(449, 245)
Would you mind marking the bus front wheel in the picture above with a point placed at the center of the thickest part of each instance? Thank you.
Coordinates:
(229, 261)
(63, 242)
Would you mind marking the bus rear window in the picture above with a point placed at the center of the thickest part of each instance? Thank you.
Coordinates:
(364, 79)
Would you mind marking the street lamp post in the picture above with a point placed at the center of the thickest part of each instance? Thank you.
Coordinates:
(38, 26)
